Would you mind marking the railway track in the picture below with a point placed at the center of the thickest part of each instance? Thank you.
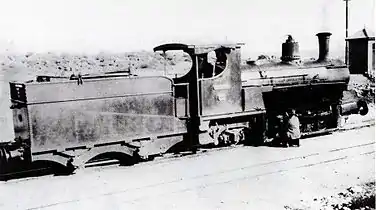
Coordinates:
(132, 189)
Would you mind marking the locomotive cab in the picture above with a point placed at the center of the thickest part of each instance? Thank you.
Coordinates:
(214, 92)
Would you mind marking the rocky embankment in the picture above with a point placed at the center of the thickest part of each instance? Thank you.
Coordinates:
(65, 64)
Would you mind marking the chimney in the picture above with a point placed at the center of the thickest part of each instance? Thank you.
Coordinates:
(323, 45)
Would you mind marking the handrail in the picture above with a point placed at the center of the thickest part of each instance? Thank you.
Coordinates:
(277, 77)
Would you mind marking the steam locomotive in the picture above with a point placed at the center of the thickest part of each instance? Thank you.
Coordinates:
(70, 121)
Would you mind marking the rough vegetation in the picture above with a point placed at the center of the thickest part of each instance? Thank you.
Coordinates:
(360, 197)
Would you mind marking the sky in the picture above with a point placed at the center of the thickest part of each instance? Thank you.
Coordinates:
(91, 26)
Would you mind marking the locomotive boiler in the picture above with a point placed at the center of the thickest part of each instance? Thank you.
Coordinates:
(72, 120)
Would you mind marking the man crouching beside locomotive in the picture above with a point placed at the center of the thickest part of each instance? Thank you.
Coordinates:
(292, 133)
(286, 130)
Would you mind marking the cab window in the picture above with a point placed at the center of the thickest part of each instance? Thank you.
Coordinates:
(212, 63)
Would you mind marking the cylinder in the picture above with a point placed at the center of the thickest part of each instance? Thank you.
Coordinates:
(324, 38)
(354, 107)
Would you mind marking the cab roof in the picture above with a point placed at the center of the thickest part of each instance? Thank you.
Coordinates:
(196, 49)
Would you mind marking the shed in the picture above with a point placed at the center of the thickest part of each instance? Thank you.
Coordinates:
(362, 52)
